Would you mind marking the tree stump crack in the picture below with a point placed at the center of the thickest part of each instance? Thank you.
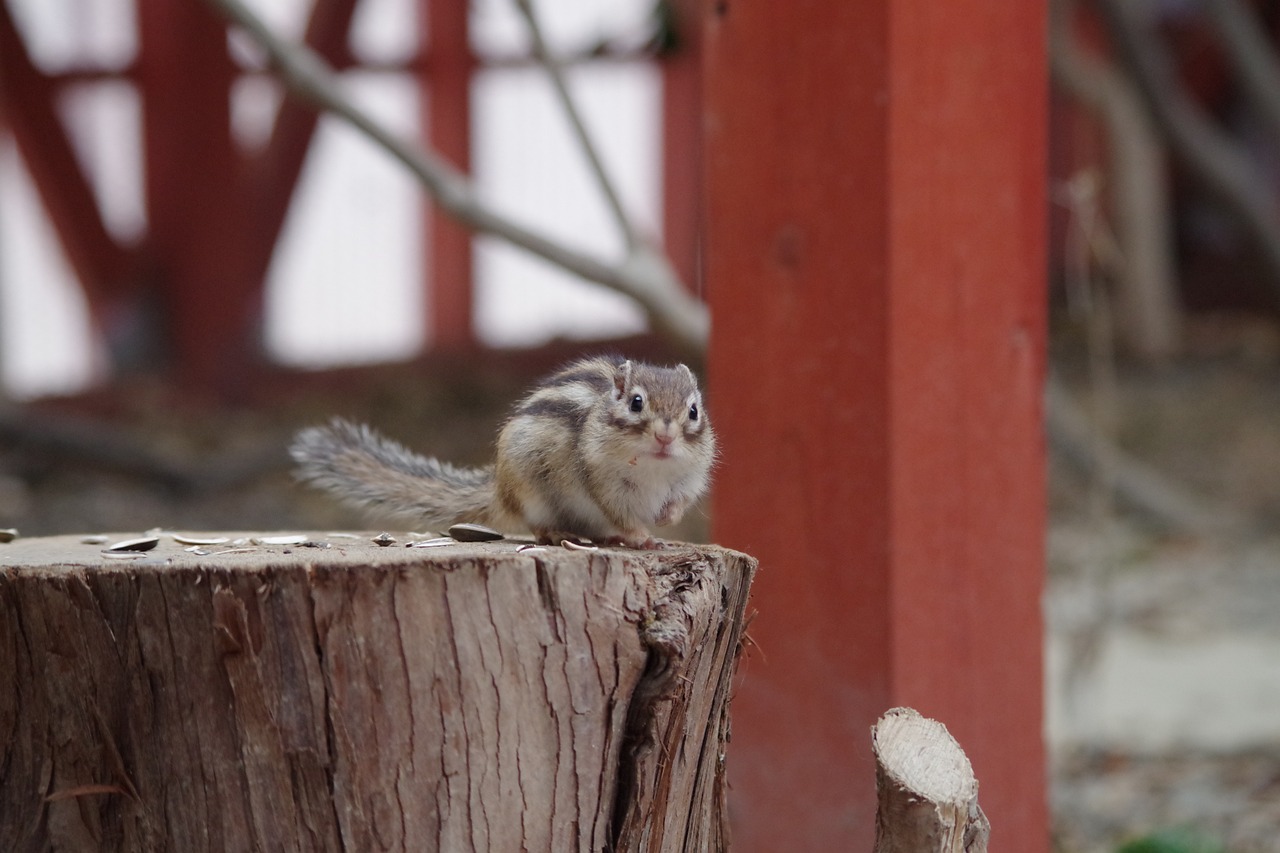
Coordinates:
(402, 807)
(330, 736)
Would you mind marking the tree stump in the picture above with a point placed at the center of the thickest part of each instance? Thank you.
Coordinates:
(357, 697)
(927, 793)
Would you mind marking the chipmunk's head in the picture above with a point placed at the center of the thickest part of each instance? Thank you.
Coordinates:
(658, 412)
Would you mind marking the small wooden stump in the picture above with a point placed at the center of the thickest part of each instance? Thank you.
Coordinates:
(357, 697)
(928, 795)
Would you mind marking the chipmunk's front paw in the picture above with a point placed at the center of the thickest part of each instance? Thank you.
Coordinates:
(672, 511)
(640, 540)
(544, 536)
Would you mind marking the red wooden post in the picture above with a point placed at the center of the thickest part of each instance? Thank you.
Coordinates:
(446, 88)
(197, 237)
(875, 263)
(681, 69)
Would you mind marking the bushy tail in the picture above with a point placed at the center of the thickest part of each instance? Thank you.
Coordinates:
(366, 470)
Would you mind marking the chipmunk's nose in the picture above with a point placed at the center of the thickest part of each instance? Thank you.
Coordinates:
(664, 433)
(663, 438)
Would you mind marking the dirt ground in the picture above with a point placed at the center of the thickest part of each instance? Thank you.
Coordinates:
(1199, 751)
(143, 457)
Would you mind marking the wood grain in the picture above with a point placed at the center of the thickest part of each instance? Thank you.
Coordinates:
(927, 793)
(470, 697)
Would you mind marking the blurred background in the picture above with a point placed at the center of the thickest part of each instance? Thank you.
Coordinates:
(192, 266)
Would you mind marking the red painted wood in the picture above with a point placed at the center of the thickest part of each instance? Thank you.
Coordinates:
(446, 90)
(217, 210)
(197, 233)
(214, 212)
(682, 174)
(28, 99)
(875, 261)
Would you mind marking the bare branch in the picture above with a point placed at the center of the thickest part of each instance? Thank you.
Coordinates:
(646, 276)
(555, 71)
(1208, 153)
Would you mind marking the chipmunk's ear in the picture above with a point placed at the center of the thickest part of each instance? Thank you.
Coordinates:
(684, 369)
(622, 379)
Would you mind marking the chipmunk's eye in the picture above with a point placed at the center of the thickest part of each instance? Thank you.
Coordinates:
(693, 412)
(637, 403)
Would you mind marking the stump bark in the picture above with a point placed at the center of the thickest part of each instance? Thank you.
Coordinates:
(357, 697)
(927, 793)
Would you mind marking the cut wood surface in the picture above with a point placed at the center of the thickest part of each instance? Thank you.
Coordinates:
(927, 793)
(357, 697)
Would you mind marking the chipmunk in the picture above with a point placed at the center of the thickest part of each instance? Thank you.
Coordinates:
(601, 450)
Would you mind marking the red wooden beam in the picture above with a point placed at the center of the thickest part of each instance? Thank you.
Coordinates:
(446, 92)
(875, 263)
(28, 99)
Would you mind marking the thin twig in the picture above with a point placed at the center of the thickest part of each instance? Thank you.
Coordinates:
(555, 71)
(645, 275)
(1091, 258)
